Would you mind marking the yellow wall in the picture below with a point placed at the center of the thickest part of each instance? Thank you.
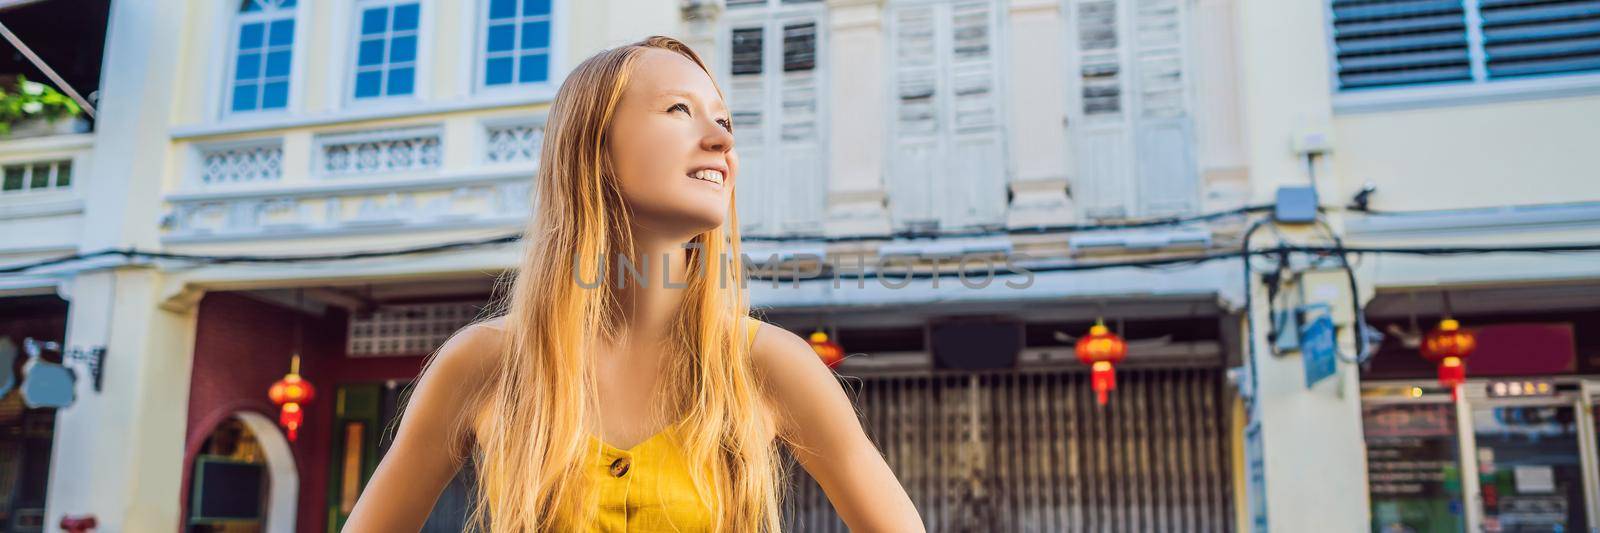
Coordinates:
(1520, 153)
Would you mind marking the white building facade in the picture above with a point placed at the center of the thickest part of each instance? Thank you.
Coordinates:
(1118, 149)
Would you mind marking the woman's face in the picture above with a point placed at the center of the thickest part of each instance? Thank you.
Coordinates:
(671, 145)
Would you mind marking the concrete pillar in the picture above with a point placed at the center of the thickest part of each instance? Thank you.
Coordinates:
(856, 121)
(118, 453)
(1035, 104)
(1313, 460)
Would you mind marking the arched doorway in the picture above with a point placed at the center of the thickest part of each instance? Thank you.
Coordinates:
(245, 479)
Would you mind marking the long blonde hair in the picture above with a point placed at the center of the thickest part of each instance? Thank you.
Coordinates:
(532, 434)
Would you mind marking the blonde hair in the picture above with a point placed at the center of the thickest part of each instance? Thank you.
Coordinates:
(532, 434)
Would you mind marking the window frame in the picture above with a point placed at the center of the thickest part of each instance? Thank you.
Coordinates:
(1479, 90)
(236, 20)
(479, 45)
(421, 64)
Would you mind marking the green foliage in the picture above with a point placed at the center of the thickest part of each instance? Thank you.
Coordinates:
(32, 100)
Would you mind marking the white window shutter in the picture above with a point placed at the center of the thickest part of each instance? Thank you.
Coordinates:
(917, 117)
(948, 166)
(1132, 127)
(804, 197)
(1099, 126)
(747, 98)
(977, 172)
(1165, 140)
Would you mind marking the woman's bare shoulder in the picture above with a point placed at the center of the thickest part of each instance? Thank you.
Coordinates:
(470, 356)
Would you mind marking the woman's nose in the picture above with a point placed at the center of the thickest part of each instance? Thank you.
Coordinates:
(717, 139)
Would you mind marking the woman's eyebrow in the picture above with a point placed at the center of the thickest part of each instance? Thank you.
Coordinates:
(718, 106)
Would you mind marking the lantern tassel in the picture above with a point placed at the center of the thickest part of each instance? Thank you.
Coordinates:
(1452, 373)
(1103, 378)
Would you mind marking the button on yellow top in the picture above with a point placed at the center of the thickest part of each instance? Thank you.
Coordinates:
(647, 488)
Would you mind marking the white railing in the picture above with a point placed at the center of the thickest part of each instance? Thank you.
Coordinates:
(379, 152)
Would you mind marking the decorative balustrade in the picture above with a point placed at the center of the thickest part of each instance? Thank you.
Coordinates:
(379, 152)
(495, 199)
(260, 162)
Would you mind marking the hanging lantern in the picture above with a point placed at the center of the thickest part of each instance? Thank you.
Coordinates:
(830, 352)
(1448, 346)
(1102, 349)
(292, 393)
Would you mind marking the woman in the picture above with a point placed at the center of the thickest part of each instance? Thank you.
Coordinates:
(604, 404)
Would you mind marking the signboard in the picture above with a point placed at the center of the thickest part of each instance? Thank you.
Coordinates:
(1317, 347)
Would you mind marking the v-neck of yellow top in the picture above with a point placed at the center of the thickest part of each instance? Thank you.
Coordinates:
(611, 448)
(670, 427)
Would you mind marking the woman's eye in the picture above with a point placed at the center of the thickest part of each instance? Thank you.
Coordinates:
(727, 125)
(678, 106)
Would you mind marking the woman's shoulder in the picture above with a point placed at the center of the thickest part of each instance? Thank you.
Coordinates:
(774, 350)
(470, 357)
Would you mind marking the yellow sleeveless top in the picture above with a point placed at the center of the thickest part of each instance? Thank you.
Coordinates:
(647, 488)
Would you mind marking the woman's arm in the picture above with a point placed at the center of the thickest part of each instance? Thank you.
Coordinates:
(422, 460)
(817, 415)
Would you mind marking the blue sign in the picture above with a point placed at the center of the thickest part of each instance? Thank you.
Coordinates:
(1318, 349)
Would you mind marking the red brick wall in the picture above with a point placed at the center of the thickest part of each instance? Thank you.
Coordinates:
(242, 346)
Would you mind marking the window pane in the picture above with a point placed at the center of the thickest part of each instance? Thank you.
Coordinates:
(403, 49)
(502, 8)
(498, 71)
(1413, 468)
(282, 33)
(535, 7)
(535, 35)
(13, 178)
(502, 37)
(405, 17)
(250, 36)
(534, 68)
(275, 95)
(64, 174)
(248, 67)
(244, 97)
(746, 51)
(40, 178)
(800, 47)
(247, 6)
(368, 84)
(278, 64)
(373, 21)
(400, 80)
(371, 52)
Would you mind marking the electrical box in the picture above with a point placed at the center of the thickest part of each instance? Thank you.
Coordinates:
(1296, 205)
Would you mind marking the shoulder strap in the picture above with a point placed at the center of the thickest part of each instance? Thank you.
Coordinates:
(753, 325)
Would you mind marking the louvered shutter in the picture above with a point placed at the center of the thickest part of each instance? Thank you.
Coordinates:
(747, 99)
(1523, 37)
(976, 174)
(1099, 126)
(1164, 139)
(948, 165)
(804, 187)
(916, 116)
(1133, 130)
(1400, 42)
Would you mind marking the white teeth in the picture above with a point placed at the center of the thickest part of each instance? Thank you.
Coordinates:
(710, 175)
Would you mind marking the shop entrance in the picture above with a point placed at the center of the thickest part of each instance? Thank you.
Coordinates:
(1511, 456)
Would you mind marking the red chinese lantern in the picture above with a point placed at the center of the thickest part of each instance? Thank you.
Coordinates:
(292, 393)
(830, 352)
(1448, 346)
(1100, 350)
